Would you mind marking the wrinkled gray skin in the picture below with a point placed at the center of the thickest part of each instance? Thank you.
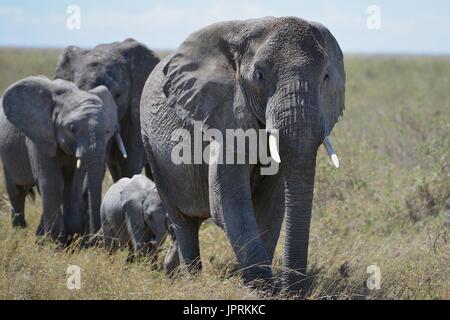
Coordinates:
(123, 67)
(44, 127)
(132, 214)
(246, 74)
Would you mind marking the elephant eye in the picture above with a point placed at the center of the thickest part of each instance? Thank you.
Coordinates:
(258, 75)
(72, 128)
(326, 77)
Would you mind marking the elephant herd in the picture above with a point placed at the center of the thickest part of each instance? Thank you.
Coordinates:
(117, 106)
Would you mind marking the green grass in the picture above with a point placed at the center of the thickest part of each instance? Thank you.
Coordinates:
(388, 204)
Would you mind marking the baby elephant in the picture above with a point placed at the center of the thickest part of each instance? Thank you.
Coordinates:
(132, 213)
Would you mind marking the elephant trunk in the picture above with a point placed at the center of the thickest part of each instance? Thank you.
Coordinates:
(299, 188)
(95, 174)
(73, 220)
(294, 112)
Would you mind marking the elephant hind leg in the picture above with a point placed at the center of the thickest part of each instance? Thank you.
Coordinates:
(132, 255)
(17, 195)
(114, 169)
(186, 232)
(109, 239)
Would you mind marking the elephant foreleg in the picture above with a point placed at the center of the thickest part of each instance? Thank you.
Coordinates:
(172, 261)
(132, 139)
(52, 199)
(231, 205)
(268, 203)
(51, 186)
(186, 231)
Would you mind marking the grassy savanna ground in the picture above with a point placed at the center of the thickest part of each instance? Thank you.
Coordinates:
(388, 205)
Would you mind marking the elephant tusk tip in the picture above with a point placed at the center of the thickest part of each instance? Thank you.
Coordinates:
(335, 160)
(331, 152)
(121, 146)
(78, 163)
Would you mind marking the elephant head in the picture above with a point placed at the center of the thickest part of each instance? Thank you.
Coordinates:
(123, 67)
(143, 208)
(279, 74)
(73, 125)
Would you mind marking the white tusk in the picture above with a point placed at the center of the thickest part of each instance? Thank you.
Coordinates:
(273, 147)
(120, 144)
(329, 147)
(78, 163)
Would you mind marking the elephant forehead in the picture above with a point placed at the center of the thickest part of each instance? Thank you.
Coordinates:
(285, 48)
(81, 100)
(98, 64)
(152, 204)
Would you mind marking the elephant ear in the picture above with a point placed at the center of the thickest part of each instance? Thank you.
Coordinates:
(65, 65)
(152, 201)
(334, 91)
(133, 196)
(109, 104)
(28, 104)
(140, 61)
(132, 200)
(200, 78)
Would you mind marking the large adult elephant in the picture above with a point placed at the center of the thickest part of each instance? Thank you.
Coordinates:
(123, 67)
(283, 75)
(52, 135)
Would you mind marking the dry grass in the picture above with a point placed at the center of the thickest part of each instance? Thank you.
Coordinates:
(388, 204)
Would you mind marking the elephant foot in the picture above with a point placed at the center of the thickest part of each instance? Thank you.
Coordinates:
(73, 241)
(154, 262)
(18, 220)
(193, 267)
(172, 261)
(258, 277)
(265, 288)
(94, 241)
(131, 258)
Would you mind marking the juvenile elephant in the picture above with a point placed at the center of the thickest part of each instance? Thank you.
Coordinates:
(51, 135)
(282, 75)
(123, 67)
(132, 214)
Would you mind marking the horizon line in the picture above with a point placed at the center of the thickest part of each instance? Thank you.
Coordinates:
(352, 53)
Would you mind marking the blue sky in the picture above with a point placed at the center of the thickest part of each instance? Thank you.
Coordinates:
(416, 27)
